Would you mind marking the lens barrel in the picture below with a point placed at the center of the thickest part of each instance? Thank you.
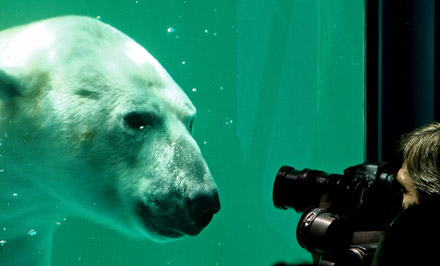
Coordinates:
(322, 231)
(302, 189)
(285, 182)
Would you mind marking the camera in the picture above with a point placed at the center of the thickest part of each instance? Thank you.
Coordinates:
(361, 200)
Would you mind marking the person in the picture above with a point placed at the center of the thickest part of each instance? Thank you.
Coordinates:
(420, 172)
(412, 238)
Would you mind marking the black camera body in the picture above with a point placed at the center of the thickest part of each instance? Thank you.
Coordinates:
(360, 201)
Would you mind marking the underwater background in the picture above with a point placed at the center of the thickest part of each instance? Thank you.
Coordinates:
(275, 82)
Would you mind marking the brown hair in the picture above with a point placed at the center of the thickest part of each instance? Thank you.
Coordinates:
(421, 156)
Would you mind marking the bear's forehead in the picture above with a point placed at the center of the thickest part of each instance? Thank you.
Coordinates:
(133, 87)
(146, 90)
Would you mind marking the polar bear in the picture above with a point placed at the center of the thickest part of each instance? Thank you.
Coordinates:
(92, 125)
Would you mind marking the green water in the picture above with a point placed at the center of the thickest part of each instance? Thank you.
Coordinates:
(275, 82)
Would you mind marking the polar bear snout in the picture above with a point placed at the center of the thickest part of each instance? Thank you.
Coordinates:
(172, 216)
(202, 209)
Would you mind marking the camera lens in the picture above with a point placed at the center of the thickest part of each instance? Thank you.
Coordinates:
(302, 189)
(321, 231)
(285, 181)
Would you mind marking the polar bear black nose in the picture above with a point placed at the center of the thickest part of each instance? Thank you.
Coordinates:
(203, 208)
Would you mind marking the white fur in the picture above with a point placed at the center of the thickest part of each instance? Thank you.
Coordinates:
(67, 86)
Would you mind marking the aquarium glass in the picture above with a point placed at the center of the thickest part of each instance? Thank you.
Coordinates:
(275, 82)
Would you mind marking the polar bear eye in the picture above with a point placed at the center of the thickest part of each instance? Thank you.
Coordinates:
(191, 124)
(139, 121)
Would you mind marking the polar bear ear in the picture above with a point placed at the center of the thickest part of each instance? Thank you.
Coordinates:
(9, 86)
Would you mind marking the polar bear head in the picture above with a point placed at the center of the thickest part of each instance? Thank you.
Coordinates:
(92, 123)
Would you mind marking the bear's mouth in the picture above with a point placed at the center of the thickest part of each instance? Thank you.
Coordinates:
(177, 225)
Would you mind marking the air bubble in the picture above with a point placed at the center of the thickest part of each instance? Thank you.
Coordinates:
(2, 242)
(98, 17)
(15, 194)
(32, 232)
(194, 89)
(171, 30)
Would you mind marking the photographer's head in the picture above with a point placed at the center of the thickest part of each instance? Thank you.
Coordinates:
(410, 194)
(420, 172)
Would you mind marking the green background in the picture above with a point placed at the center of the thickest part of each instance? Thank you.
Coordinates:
(275, 82)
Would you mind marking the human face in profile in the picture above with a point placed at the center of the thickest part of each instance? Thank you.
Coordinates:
(410, 195)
